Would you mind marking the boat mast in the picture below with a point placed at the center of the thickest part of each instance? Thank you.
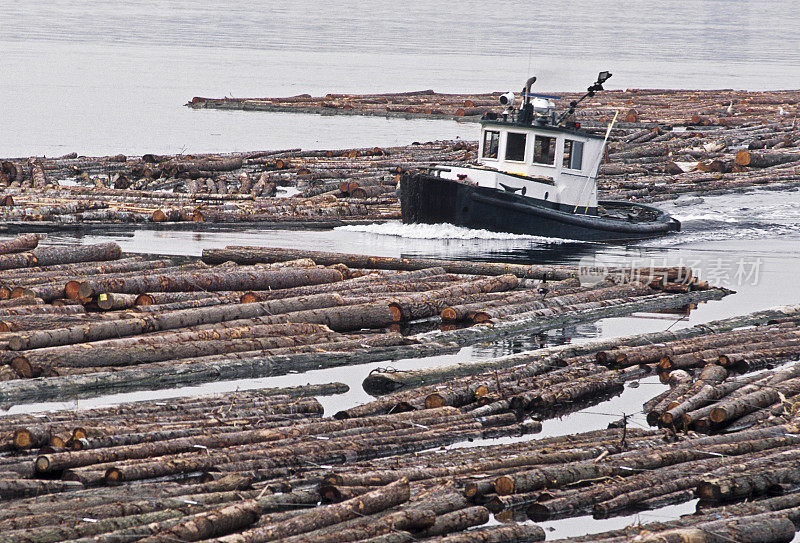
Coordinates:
(602, 77)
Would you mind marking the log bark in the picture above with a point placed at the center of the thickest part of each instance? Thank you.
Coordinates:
(48, 256)
(209, 524)
(19, 244)
(212, 281)
(253, 255)
(169, 320)
(371, 502)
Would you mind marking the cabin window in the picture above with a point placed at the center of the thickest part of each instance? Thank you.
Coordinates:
(515, 146)
(573, 154)
(544, 150)
(491, 141)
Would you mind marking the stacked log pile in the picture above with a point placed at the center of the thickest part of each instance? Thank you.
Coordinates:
(669, 143)
(249, 462)
(666, 143)
(727, 389)
(327, 188)
(695, 107)
(266, 465)
(261, 467)
(98, 318)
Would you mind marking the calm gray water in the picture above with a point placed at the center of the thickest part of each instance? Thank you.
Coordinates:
(112, 77)
(107, 77)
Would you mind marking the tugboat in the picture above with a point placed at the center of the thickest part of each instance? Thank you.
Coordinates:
(536, 174)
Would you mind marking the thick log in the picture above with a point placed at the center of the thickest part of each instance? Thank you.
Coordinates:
(764, 160)
(411, 519)
(25, 242)
(255, 279)
(540, 478)
(510, 533)
(764, 397)
(20, 488)
(430, 303)
(48, 256)
(163, 321)
(567, 299)
(154, 348)
(209, 524)
(747, 485)
(254, 255)
(113, 301)
(741, 530)
(366, 504)
(457, 521)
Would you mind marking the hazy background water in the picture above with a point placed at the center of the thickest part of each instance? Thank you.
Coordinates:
(107, 77)
(112, 77)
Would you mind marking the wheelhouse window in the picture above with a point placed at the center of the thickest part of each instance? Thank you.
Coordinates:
(573, 154)
(491, 142)
(515, 146)
(544, 150)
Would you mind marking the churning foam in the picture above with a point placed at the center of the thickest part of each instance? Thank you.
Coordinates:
(441, 231)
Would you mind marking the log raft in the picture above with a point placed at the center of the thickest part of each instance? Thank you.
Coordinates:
(669, 145)
(272, 465)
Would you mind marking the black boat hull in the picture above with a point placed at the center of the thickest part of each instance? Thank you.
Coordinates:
(430, 199)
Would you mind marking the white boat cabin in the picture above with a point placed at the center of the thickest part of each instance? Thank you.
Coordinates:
(555, 165)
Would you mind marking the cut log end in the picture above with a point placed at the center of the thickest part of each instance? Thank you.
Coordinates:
(22, 439)
(105, 301)
(504, 485)
(250, 298)
(113, 476)
(397, 313)
(470, 490)
(432, 401)
(42, 464)
(144, 299)
(23, 368)
(84, 290)
(742, 158)
(708, 491)
(15, 343)
(449, 314)
(718, 415)
(481, 317)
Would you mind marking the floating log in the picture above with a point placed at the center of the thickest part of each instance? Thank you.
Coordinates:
(254, 255)
(160, 321)
(212, 281)
(47, 256)
(365, 504)
(25, 242)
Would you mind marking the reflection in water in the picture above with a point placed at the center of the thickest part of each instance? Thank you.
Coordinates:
(551, 338)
